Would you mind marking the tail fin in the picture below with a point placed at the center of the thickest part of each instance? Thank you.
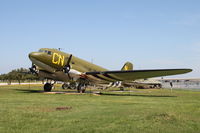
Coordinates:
(127, 66)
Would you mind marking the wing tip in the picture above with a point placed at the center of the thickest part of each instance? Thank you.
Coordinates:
(187, 70)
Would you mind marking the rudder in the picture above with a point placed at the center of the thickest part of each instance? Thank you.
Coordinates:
(127, 66)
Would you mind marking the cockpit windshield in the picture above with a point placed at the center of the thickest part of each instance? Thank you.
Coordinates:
(45, 51)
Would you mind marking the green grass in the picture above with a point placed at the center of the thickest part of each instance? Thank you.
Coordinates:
(23, 110)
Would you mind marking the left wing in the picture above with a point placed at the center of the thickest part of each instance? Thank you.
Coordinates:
(135, 74)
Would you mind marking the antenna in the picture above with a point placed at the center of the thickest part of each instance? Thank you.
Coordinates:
(60, 49)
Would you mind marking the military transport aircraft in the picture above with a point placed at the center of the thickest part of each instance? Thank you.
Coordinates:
(55, 65)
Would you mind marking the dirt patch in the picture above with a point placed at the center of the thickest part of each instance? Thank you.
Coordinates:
(63, 108)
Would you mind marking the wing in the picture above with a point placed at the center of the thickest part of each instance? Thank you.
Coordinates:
(135, 74)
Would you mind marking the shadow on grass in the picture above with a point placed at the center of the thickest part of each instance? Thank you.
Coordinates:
(29, 91)
(89, 92)
(135, 95)
(42, 91)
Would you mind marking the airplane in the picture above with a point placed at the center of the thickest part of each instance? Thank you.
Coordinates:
(55, 65)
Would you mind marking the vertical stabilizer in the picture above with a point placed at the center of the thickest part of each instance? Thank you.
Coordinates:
(127, 66)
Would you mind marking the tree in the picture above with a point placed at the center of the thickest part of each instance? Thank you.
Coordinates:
(20, 74)
(2, 77)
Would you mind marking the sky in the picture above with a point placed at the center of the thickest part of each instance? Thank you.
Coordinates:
(152, 34)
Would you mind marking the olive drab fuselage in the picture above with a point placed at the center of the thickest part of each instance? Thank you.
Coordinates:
(53, 61)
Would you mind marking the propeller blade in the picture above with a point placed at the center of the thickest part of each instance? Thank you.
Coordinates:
(67, 67)
(69, 60)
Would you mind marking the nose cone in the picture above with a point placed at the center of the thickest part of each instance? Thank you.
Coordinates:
(34, 55)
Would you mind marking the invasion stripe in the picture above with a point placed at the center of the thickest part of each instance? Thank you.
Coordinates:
(96, 76)
(108, 76)
(110, 79)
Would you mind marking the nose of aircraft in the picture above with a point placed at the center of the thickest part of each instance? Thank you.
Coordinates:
(34, 55)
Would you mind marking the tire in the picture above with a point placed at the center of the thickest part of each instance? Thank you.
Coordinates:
(63, 86)
(48, 87)
(83, 90)
(79, 88)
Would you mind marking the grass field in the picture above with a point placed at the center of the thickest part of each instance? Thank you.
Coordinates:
(27, 110)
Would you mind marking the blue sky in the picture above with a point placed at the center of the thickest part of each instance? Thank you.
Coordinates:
(149, 33)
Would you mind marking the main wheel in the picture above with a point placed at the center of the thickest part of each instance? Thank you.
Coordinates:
(73, 86)
(81, 88)
(48, 87)
(65, 86)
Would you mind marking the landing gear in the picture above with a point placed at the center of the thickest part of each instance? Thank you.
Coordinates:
(72, 86)
(48, 87)
(81, 88)
(82, 85)
(65, 86)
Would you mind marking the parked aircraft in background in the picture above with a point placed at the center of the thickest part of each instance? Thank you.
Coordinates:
(56, 65)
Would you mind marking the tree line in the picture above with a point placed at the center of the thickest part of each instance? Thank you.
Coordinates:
(19, 75)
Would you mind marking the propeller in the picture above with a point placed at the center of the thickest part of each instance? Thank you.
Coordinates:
(33, 69)
(67, 67)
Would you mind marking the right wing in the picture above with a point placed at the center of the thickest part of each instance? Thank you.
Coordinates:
(135, 74)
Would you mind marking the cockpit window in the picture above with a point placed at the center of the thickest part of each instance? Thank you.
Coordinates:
(42, 51)
(49, 52)
(45, 51)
